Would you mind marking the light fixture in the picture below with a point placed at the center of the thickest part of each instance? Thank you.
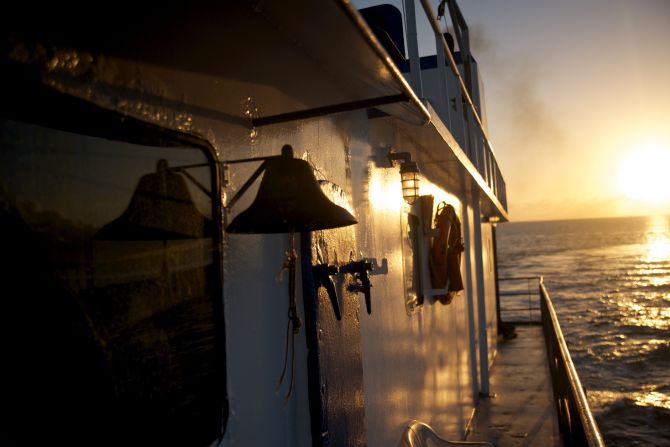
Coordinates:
(289, 199)
(409, 175)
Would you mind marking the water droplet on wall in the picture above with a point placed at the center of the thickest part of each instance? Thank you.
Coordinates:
(253, 135)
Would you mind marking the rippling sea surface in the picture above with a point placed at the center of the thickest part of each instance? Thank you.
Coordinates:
(609, 280)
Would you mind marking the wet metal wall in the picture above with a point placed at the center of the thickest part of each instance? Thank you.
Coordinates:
(415, 364)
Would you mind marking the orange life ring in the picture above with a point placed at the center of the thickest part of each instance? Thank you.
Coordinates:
(445, 253)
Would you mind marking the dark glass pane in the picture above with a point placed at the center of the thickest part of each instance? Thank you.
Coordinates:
(110, 286)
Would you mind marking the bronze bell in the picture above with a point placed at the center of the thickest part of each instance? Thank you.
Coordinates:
(289, 199)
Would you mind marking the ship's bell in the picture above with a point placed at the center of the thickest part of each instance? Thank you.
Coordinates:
(289, 199)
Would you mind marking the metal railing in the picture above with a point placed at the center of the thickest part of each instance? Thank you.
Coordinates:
(478, 145)
(575, 420)
(576, 423)
(458, 77)
(521, 300)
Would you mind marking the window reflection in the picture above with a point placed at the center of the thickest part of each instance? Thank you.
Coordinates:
(110, 287)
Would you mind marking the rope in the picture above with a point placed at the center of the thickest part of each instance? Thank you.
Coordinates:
(293, 318)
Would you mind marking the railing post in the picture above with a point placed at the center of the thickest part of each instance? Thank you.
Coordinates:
(494, 242)
(467, 236)
(481, 297)
(442, 79)
(413, 48)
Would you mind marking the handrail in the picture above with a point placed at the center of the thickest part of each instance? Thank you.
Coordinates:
(569, 395)
(576, 423)
(417, 434)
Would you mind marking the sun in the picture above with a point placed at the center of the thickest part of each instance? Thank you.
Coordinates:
(644, 174)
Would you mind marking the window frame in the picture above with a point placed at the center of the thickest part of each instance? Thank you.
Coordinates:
(26, 99)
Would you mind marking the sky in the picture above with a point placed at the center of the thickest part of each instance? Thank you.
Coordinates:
(578, 102)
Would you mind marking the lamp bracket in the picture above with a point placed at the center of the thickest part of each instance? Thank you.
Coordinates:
(399, 156)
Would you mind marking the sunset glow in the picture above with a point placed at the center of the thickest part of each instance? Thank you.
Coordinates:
(644, 174)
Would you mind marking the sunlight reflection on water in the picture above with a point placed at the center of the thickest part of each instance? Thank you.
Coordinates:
(610, 282)
(658, 239)
(653, 399)
(650, 309)
(658, 250)
(635, 314)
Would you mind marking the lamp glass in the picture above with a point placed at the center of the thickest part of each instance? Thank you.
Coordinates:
(410, 186)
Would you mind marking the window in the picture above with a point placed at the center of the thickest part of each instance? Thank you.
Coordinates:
(111, 281)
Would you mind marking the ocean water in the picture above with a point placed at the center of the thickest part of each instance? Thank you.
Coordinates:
(609, 280)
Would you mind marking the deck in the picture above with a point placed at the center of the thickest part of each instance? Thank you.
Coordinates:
(521, 411)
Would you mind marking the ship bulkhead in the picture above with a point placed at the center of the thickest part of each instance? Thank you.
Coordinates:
(172, 273)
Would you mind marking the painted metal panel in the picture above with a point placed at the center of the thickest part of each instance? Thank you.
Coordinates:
(414, 366)
(334, 359)
(257, 307)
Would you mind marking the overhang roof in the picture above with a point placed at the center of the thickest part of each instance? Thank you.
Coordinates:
(293, 57)
(442, 161)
